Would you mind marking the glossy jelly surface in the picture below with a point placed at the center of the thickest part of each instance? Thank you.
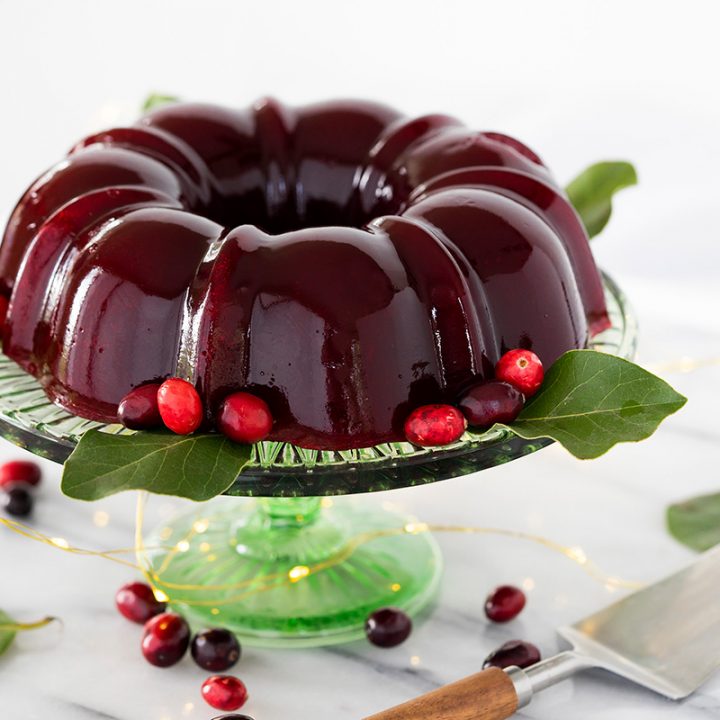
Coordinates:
(340, 261)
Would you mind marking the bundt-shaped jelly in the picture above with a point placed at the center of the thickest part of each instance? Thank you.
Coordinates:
(342, 262)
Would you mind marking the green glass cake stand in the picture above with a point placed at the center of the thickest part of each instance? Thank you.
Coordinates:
(295, 567)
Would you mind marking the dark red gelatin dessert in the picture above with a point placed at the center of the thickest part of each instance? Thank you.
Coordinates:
(378, 263)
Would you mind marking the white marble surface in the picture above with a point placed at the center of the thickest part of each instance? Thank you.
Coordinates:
(578, 82)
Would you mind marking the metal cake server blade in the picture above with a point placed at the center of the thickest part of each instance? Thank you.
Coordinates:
(665, 637)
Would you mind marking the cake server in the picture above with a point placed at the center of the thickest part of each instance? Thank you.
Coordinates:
(665, 637)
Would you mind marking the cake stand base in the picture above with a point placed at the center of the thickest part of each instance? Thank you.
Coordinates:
(292, 572)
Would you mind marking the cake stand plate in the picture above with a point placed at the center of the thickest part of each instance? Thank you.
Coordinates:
(296, 567)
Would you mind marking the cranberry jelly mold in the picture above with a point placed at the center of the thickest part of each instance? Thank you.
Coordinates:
(340, 261)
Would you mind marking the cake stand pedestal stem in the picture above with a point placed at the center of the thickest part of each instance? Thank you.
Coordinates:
(293, 572)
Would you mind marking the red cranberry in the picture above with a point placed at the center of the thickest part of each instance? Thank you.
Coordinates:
(215, 650)
(491, 402)
(245, 418)
(18, 500)
(514, 652)
(504, 603)
(388, 627)
(165, 640)
(224, 692)
(137, 602)
(19, 471)
(432, 425)
(180, 406)
(522, 369)
(138, 410)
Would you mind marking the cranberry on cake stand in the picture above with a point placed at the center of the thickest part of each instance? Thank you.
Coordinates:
(293, 567)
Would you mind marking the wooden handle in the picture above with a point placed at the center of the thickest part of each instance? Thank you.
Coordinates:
(489, 695)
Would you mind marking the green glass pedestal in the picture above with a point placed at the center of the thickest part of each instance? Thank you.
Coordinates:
(294, 572)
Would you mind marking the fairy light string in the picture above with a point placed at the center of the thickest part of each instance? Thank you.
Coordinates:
(263, 583)
(60, 543)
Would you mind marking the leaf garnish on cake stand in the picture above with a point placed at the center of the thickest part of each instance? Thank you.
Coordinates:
(591, 192)
(157, 100)
(197, 467)
(591, 401)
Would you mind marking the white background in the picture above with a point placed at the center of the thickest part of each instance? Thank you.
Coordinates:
(579, 82)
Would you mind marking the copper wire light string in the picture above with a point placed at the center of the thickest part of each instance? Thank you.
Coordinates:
(270, 581)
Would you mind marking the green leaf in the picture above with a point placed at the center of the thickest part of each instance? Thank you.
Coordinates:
(696, 522)
(592, 191)
(197, 467)
(590, 401)
(6, 635)
(156, 100)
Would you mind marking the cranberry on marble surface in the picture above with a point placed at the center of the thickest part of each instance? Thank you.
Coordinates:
(215, 650)
(19, 471)
(224, 692)
(137, 602)
(18, 500)
(514, 652)
(388, 627)
(165, 640)
(504, 603)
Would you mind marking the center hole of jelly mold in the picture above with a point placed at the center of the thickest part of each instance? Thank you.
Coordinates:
(281, 209)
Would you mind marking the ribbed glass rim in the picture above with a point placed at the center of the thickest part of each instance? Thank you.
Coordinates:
(28, 419)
